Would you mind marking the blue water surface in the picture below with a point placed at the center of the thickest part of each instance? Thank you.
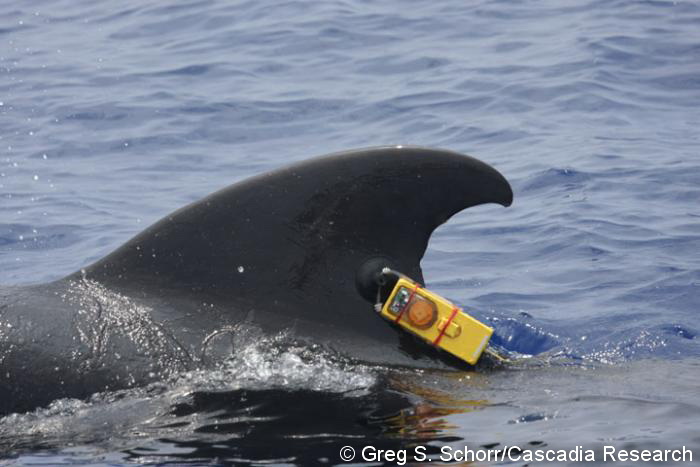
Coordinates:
(114, 114)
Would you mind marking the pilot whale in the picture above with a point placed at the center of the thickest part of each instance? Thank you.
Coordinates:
(283, 250)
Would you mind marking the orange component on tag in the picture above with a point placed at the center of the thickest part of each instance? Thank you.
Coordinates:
(422, 313)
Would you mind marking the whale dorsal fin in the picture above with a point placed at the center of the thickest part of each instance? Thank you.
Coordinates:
(294, 238)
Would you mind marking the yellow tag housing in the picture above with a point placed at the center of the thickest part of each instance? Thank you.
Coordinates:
(427, 314)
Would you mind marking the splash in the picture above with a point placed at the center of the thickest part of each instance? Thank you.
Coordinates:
(260, 361)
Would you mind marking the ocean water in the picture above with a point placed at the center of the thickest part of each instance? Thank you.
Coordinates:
(114, 114)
